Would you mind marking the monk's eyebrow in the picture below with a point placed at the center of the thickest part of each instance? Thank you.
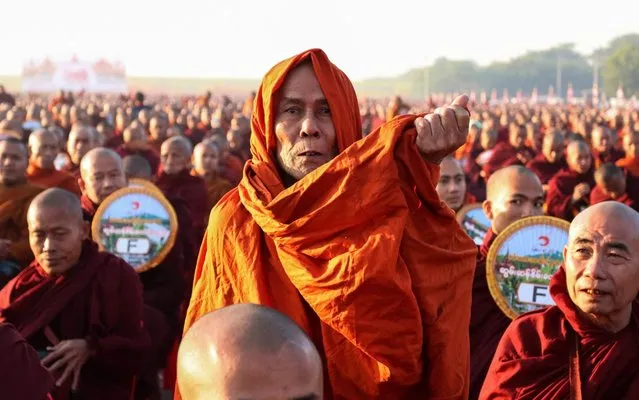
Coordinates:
(583, 240)
(618, 246)
(291, 101)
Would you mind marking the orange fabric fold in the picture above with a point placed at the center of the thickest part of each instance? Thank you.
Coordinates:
(363, 244)
(629, 164)
(53, 178)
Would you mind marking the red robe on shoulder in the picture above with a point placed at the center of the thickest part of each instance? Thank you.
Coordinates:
(232, 168)
(598, 196)
(533, 357)
(560, 189)
(22, 374)
(149, 154)
(100, 300)
(114, 142)
(544, 169)
(53, 178)
(612, 156)
(504, 155)
(487, 321)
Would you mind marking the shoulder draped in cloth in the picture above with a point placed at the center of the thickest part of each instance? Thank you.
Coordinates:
(14, 204)
(361, 252)
(53, 178)
(532, 360)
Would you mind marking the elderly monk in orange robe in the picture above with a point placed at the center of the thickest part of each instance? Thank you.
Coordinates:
(611, 184)
(551, 159)
(23, 376)
(15, 195)
(175, 179)
(43, 147)
(513, 193)
(513, 152)
(303, 234)
(587, 345)
(247, 351)
(569, 191)
(206, 162)
(80, 308)
(603, 147)
(452, 185)
(631, 146)
(81, 139)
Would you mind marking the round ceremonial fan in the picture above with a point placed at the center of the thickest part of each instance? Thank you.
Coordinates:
(474, 222)
(521, 262)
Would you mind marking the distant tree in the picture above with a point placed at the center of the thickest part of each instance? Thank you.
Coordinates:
(622, 68)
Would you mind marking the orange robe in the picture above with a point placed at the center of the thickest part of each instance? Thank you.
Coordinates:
(216, 186)
(629, 164)
(14, 204)
(360, 253)
(53, 178)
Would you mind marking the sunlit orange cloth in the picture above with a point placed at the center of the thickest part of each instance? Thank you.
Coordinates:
(363, 243)
(629, 164)
(53, 178)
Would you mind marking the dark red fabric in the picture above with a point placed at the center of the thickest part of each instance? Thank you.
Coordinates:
(191, 189)
(544, 169)
(475, 183)
(487, 321)
(612, 156)
(532, 359)
(22, 376)
(560, 189)
(195, 135)
(114, 142)
(505, 155)
(598, 196)
(73, 169)
(148, 154)
(231, 168)
(100, 299)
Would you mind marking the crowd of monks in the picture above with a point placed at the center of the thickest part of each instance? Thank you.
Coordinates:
(318, 254)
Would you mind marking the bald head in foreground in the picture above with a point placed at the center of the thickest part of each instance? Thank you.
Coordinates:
(247, 351)
(593, 328)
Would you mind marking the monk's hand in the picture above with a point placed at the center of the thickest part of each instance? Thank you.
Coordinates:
(582, 190)
(5, 246)
(444, 131)
(68, 356)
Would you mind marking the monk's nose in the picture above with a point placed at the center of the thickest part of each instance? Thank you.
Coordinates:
(309, 127)
(595, 267)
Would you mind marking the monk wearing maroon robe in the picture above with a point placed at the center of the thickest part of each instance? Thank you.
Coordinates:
(451, 187)
(80, 308)
(513, 152)
(631, 147)
(81, 139)
(568, 192)
(611, 184)
(474, 160)
(43, 147)
(194, 132)
(206, 161)
(158, 130)
(15, 195)
(587, 345)
(551, 159)
(175, 179)
(603, 149)
(136, 142)
(513, 193)
(164, 285)
(109, 138)
(23, 376)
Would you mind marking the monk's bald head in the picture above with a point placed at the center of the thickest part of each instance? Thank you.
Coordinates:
(56, 230)
(553, 146)
(82, 138)
(43, 148)
(248, 351)
(102, 174)
(136, 166)
(206, 158)
(578, 156)
(176, 154)
(512, 193)
(14, 156)
(602, 263)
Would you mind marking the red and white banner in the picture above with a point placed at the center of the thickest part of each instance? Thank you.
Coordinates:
(101, 76)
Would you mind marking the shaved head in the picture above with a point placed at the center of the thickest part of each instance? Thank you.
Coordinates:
(102, 174)
(81, 139)
(602, 263)
(175, 154)
(579, 157)
(206, 158)
(14, 156)
(136, 166)
(56, 230)
(553, 146)
(43, 146)
(512, 193)
(247, 351)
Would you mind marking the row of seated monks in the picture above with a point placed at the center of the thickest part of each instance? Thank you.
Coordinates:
(364, 285)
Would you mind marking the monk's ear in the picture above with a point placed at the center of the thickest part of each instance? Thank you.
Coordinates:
(565, 253)
(487, 206)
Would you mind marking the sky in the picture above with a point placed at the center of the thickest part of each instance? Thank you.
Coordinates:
(244, 38)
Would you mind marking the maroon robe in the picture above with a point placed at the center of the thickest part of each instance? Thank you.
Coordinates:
(148, 154)
(544, 169)
(195, 135)
(598, 196)
(475, 183)
(22, 376)
(559, 196)
(114, 142)
(191, 189)
(504, 155)
(533, 357)
(612, 156)
(487, 321)
(100, 300)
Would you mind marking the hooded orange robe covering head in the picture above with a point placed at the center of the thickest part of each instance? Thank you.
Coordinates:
(361, 252)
